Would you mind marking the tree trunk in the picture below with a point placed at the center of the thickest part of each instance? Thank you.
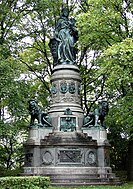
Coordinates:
(130, 161)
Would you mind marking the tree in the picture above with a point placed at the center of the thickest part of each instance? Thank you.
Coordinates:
(25, 68)
(11, 147)
(13, 93)
(117, 66)
(106, 28)
(105, 59)
(13, 118)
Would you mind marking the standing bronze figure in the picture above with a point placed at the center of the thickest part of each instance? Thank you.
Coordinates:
(65, 36)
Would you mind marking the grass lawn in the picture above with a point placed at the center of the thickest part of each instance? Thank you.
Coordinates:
(124, 186)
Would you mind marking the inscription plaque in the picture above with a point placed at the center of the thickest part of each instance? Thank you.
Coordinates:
(70, 156)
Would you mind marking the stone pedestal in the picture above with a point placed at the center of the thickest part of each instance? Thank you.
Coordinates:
(68, 153)
(97, 133)
(65, 93)
(69, 158)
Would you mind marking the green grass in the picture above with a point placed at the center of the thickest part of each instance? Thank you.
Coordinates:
(124, 186)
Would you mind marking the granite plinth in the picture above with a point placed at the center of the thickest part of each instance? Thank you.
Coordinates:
(69, 157)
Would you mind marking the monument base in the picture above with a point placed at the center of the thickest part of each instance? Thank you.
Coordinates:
(70, 176)
(69, 158)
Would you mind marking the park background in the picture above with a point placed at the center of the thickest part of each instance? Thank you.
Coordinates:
(105, 57)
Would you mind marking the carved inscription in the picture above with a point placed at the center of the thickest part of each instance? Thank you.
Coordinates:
(70, 156)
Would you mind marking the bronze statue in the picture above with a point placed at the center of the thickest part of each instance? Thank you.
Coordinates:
(36, 113)
(63, 44)
(97, 117)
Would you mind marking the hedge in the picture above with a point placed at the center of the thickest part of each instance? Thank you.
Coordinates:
(25, 182)
(8, 172)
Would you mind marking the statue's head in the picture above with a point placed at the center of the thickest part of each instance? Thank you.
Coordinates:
(33, 107)
(104, 103)
(32, 102)
(105, 106)
(65, 12)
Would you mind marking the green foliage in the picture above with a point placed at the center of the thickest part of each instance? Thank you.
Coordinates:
(10, 172)
(117, 62)
(104, 23)
(30, 182)
(124, 186)
(18, 84)
(26, 65)
(106, 28)
(122, 175)
(11, 147)
(38, 70)
(117, 66)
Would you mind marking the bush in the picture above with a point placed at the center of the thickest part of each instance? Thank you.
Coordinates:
(8, 172)
(122, 175)
(27, 182)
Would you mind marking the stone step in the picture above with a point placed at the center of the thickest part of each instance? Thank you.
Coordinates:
(68, 137)
(82, 176)
(80, 180)
(88, 179)
(71, 184)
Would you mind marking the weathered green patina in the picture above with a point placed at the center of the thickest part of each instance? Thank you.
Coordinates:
(37, 114)
(68, 122)
(62, 45)
(97, 117)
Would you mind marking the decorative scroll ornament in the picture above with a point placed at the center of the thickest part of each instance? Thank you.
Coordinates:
(91, 158)
(68, 111)
(47, 158)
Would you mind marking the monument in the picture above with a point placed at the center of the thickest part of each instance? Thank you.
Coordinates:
(64, 144)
